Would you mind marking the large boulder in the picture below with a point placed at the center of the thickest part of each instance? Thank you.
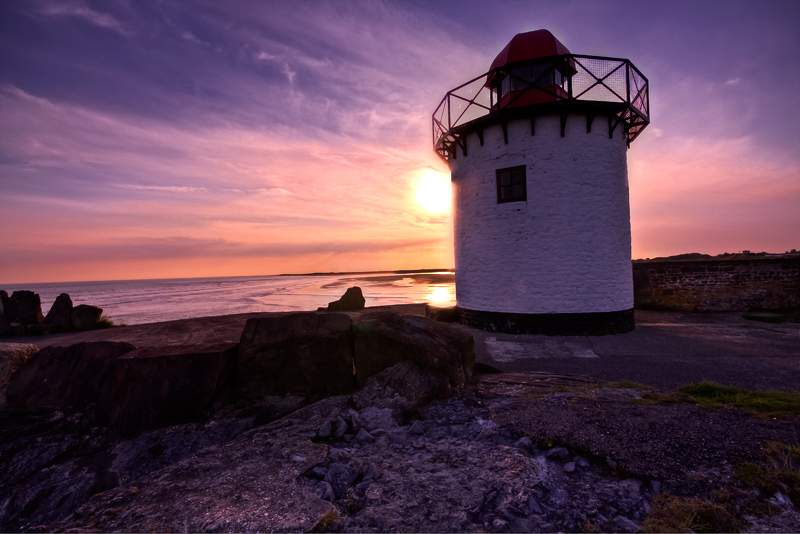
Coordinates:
(383, 339)
(3, 300)
(351, 300)
(60, 377)
(307, 354)
(403, 388)
(153, 387)
(12, 357)
(85, 317)
(23, 307)
(60, 311)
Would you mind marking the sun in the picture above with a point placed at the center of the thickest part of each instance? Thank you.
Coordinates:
(433, 191)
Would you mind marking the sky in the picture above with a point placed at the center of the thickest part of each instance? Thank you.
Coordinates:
(169, 139)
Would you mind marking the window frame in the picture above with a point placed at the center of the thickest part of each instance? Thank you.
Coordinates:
(519, 198)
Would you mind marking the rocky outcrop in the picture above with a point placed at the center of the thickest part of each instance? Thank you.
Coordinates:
(154, 387)
(12, 357)
(60, 313)
(85, 317)
(24, 308)
(383, 339)
(403, 388)
(56, 378)
(3, 300)
(352, 299)
(306, 354)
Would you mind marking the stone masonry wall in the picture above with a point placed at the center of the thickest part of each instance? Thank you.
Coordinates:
(733, 285)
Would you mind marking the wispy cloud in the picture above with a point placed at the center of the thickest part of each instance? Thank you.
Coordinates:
(80, 10)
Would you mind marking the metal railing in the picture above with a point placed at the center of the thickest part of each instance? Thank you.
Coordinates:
(590, 79)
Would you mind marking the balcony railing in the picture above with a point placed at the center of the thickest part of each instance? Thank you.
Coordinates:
(615, 82)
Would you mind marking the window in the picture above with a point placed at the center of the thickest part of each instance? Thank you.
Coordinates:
(511, 185)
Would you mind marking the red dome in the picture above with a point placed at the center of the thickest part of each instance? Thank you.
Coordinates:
(527, 46)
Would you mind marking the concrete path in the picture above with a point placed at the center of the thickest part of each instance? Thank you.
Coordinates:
(665, 350)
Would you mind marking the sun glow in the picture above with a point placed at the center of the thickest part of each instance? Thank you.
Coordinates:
(440, 294)
(433, 191)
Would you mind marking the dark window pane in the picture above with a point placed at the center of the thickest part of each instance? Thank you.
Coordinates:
(505, 178)
(519, 191)
(518, 176)
(505, 193)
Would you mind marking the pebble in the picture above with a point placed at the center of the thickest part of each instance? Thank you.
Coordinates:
(325, 430)
(557, 453)
(499, 525)
(363, 436)
(318, 472)
(370, 473)
(325, 491)
(581, 462)
(373, 494)
(534, 506)
(378, 432)
(417, 428)
(569, 467)
(524, 443)
(341, 427)
(611, 463)
(656, 485)
(625, 524)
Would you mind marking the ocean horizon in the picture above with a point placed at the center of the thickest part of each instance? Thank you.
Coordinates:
(155, 300)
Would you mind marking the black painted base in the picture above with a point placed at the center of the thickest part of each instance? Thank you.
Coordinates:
(550, 324)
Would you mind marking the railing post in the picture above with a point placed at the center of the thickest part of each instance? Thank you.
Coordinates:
(628, 81)
(449, 122)
(569, 80)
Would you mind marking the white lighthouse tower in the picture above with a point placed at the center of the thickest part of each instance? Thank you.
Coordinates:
(537, 153)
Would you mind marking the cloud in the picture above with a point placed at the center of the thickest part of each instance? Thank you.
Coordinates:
(81, 10)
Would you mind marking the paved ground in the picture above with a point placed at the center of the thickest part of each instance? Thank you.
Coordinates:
(665, 350)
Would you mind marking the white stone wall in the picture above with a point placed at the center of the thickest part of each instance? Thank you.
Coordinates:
(568, 248)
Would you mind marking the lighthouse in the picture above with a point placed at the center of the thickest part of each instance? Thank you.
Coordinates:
(537, 150)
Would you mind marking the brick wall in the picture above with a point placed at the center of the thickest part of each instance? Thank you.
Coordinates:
(732, 285)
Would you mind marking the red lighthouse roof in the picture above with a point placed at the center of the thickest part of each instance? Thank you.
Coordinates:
(527, 46)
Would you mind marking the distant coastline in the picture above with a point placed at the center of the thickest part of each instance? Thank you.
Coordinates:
(347, 273)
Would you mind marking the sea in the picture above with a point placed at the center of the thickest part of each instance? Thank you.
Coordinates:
(149, 301)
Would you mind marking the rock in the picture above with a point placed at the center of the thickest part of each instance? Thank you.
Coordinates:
(383, 339)
(318, 472)
(373, 494)
(85, 317)
(12, 357)
(3, 300)
(499, 525)
(378, 432)
(418, 428)
(581, 462)
(656, 485)
(611, 463)
(370, 473)
(443, 315)
(341, 427)
(402, 388)
(60, 312)
(557, 453)
(58, 377)
(534, 505)
(625, 524)
(364, 436)
(631, 484)
(351, 300)
(152, 387)
(569, 467)
(341, 477)
(524, 443)
(325, 430)
(377, 418)
(23, 307)
(307, 353)
(325, 491)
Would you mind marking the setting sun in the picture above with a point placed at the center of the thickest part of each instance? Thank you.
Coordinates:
(433, 192)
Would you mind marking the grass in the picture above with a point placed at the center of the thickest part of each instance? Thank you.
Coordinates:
(105, 322)
(670, 513)
(764, 403)
(780, 473)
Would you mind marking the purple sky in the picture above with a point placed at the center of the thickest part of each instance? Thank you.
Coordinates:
(171, 139)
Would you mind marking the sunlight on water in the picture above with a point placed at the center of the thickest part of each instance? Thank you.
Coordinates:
(148, 301)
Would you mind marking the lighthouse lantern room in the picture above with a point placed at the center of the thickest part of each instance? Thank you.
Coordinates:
(537, 153)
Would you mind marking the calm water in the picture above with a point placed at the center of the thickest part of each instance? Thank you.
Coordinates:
(147, 301)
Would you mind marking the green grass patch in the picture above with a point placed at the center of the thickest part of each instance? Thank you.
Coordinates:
(779, 473)
(105, 322)
(627, 384)
(669, 513)
(651, 398)
(763, 403)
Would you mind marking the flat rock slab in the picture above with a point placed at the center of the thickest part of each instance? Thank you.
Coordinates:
(152, 387)
(57, 377)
